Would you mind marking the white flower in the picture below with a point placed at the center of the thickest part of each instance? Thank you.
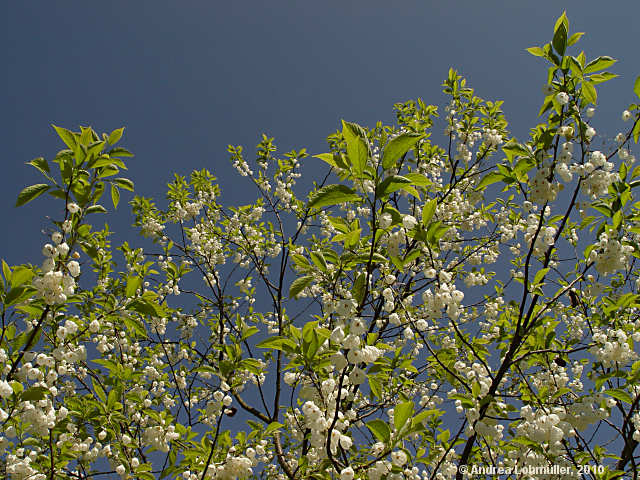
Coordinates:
(357, 376)
(73, 208)
(337, 335)
(626, 115)
(347, 474)
(591, 112)
(62, 249)
(399, 458)
(409, 222)
(385, 220)
(48, 250)
(56, 237)
(338, 361)
(562, 98)
(74, 268)
(120, 469)
(5, 389)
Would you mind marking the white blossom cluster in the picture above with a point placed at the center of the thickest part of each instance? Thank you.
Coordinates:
(446, 296)
(542, 189)
(597, 174)
(545, 235)
(54, 285)
(610, 254)
(612, 348)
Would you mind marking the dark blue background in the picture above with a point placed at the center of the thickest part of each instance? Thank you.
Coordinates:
(188, 78)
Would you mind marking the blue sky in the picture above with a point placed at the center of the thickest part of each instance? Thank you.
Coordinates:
(188, 78)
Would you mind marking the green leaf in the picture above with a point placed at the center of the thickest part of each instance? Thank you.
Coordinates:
(573, 39)
(17, 387)
(597, 78)
(418, 179)
(513, 149)
(636, 88)
(398, 147)
(380, 430)
(391, 184)
(21, 275)
(135, 325)
(619, 394)
(428, 211)
(536, 51)
(300, 284)
(561, 21)
(560, 38)
(599, 63)
(401, 414)
(272, 427)
(120, 152)
(319, 261)
(435, 232)
(357, 149)
(99, 391)
(95, 209)
(34, 394)
(115, 136)
(636, 132)
(332, 195)
(115, 195)
(30, 193)
(328, 158)
(358, 287)
(41, 164)
(491, 177)
(124, 183)
(67, 137)
(589, 92)
(540, 275)
(277, 343)
(134, 282)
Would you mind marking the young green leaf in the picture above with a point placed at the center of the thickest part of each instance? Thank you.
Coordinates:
(619, 394)
(537, 51)
(397, 147)
(560, 39)
(115, 195)
(428, 211)
(380, 430)
(573, 39)
(41, 165)
(599, 63)
(418, 179)
(30, 193)
(115, 136)
(589, 92)
(401, 414)
(67, 137)
(124, 183)
(332, 195)
(391, 184)
(357, 148)
(300, 284)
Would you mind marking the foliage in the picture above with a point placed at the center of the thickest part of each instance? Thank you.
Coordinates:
(422, 309)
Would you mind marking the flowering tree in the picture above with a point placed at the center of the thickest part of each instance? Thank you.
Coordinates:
(423, 310)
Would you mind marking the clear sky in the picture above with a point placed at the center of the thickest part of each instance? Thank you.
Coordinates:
(187, 78)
